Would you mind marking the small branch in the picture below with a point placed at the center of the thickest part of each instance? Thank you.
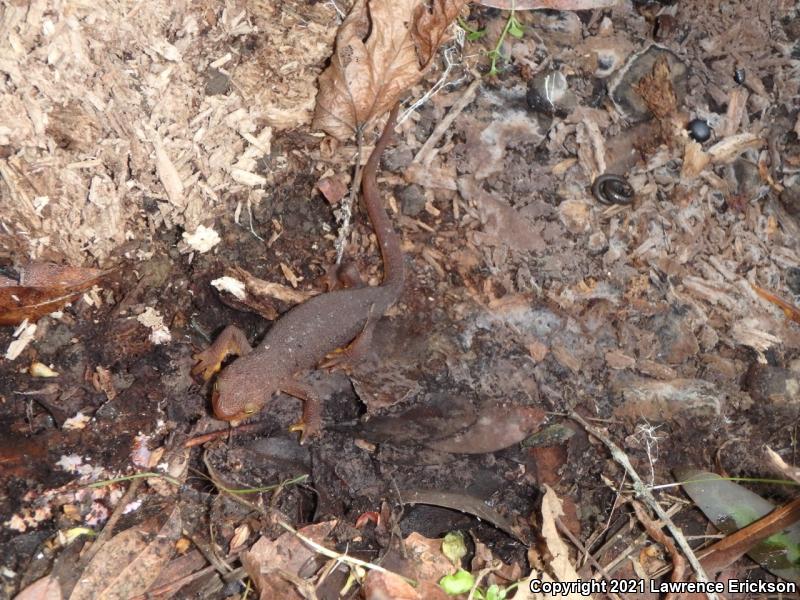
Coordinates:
(642, 492)
(426, 152)
(108, 530)
(577, 543)
(339, 556)
(654, 531)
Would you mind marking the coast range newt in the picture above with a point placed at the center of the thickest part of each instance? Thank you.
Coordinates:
(340, 321)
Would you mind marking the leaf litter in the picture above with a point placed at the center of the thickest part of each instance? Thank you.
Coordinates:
(694, 294)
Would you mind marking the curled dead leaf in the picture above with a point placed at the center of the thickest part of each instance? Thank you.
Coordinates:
(129, 562)
(382, 49)
(42, 288)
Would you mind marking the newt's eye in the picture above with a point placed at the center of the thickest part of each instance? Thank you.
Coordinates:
(249, 409)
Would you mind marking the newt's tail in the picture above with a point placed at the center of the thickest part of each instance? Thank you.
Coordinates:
(388, 239)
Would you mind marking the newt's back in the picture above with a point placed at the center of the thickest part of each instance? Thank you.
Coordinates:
(305, 335)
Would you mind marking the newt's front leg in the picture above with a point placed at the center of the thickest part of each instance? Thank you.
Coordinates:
(231, 342)
(311, 423)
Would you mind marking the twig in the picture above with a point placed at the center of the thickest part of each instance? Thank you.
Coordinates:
(425, 153)
(339, 556)
(108, 530)
(440, 83)
(577, 543)
(219, 564)
(346, 208)
(642, 492)
(481, 574)
(201, 439)
(169, 589)
(655, 532)
(599, 535)
(614, 565)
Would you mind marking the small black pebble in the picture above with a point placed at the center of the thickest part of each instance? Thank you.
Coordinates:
(699, 130)
(739, 76)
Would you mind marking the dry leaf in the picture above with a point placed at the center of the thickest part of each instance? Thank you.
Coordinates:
(379, 585)
(333, 188)
(42, 288)
(267, 558)
(382, 49)
(429, 28)
(290, 275)
(493, 431)
(46, 588)
(560, 565)
(129, 562)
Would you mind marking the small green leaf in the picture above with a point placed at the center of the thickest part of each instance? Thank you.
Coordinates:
(515, 28)
(453, 547)
(494, 593)
(474, 36)
(459, 582)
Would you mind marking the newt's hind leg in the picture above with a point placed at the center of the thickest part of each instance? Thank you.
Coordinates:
(342, 277)
(231, 342)
(311, 423)
(355, 351)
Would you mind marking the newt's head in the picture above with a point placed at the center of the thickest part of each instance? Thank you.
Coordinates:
(238, 393)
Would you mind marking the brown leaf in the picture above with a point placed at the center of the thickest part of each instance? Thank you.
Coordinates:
(429, 29)
(382, 49)
(422, 561)
(380, 586)
(46, 588)
(129, 563)
(42, 288)
(493, 431)
(267, 559)
(333, 188)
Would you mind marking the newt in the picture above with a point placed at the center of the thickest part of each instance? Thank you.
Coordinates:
(336, 325)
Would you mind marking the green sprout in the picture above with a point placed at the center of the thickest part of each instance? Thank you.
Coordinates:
(462, 582)
(513, 28)
(473, 35)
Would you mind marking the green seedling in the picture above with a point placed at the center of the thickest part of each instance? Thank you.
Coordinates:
(513, 28)
(473, 35)
(462, 582)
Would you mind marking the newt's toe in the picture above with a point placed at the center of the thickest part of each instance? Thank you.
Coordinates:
(305, 434)
(339, 359)
(206, 366)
